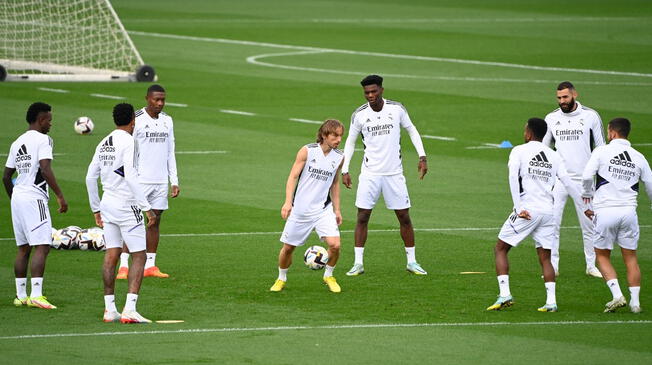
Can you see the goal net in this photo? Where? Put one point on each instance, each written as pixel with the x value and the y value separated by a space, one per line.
pixel 66 40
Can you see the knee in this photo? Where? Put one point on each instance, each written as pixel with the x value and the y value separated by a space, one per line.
pixel 334 246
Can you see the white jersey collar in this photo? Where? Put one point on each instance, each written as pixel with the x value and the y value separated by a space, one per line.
pixel 621 141
pixel 575 112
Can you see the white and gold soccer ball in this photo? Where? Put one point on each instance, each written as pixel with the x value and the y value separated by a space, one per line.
pixel 315 257
pixel 84 125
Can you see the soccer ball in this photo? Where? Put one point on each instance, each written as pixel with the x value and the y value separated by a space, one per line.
pixel 84 125
pixel 97 235
pixel 68 238
pixel 315 257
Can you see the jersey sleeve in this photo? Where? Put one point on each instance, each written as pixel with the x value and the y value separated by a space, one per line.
pixel 646 177
pixel 597 131
pixel 514 165
pixel 172 160
pixel 131 175
pixel 590 170
pixel 45 149
pixel 92 174
pixel 412 131
pixel 11 161
pixel 548 139
pixel 349 146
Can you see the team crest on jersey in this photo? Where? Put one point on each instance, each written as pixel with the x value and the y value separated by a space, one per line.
pixel 582 122
pixel 333 163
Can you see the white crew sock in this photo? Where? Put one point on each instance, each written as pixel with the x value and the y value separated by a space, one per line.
pixel 124 259
pixel 282 274
pixel 615 288
pixel 109 303
pixel 503 285
pixel 328 271
pixel 130 305
pixel 551 297
pixel 21 288
pixel 151 260
pixel 411 255
pixel 37 287
pixel 359 254
pixel 634 291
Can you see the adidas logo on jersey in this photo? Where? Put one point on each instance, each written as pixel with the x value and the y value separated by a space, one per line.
pixel 107 146
pixel 22 154
pixel 540 160
pixel 622 159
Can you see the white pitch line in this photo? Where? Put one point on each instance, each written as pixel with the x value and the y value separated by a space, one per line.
pixel 60 91
pixel 391 55
pixel 439 137
pixel 180 105
pixel 200 152
pixel 328 327
pixel 305 121
pixel 108 96
pixel 642 144
pixel 238 112
pixel 231 234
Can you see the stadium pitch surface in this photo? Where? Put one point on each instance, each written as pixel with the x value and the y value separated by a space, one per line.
pixel 247 82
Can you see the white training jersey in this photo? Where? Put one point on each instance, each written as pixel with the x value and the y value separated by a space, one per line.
pixel 533 170
pixel 617 168
pixel 24 156
pixel 381 137
pixel 155 140
pixel 114 163
pixel 573 135
pixel 312 195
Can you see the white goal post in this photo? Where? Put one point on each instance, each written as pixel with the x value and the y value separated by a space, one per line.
pixel 67 40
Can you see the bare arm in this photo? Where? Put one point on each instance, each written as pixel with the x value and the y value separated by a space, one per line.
pixel 291 184
pixel 6 180
pixel 48 175
pixel 349 149
pixel 335 195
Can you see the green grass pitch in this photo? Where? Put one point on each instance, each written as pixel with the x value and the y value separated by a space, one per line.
pixel 303 60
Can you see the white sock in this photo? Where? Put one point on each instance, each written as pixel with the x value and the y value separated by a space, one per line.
pixel 615 288
pixel 503 285
pixel 551 297
pixel 21 288
pixel 109 303
pixel 37 287
pixel 124 259
pixel 634 292
pixel 411 255
pixel 328 271
pixel 130 305
pixel 282 274
pixel 151 260
pixel 359 254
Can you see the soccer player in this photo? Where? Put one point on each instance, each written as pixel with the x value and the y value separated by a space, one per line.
pixel 31 156
pixel 574 130
pixel 120 211
pixel 617 168
pixel 154 135
pixel 533 169
pixel 379 121
pixel 314 202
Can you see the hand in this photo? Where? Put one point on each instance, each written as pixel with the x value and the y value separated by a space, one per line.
pixel 285 210
pixel 338 217
pixel 63 205
pixel 346 180
pixel 98 220
pixel 151 218
pixel 422 167
pixel 589 214
pixel 524 214
pixel 175 191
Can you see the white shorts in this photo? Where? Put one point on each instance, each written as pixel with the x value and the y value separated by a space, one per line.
pixel 31 220
pixel 122 222
pixel 392 187
pixel 296 231
pixel 619 224
pixel 540 226
pixel 157 195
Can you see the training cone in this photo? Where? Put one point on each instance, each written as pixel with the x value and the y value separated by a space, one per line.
pixel 506 144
